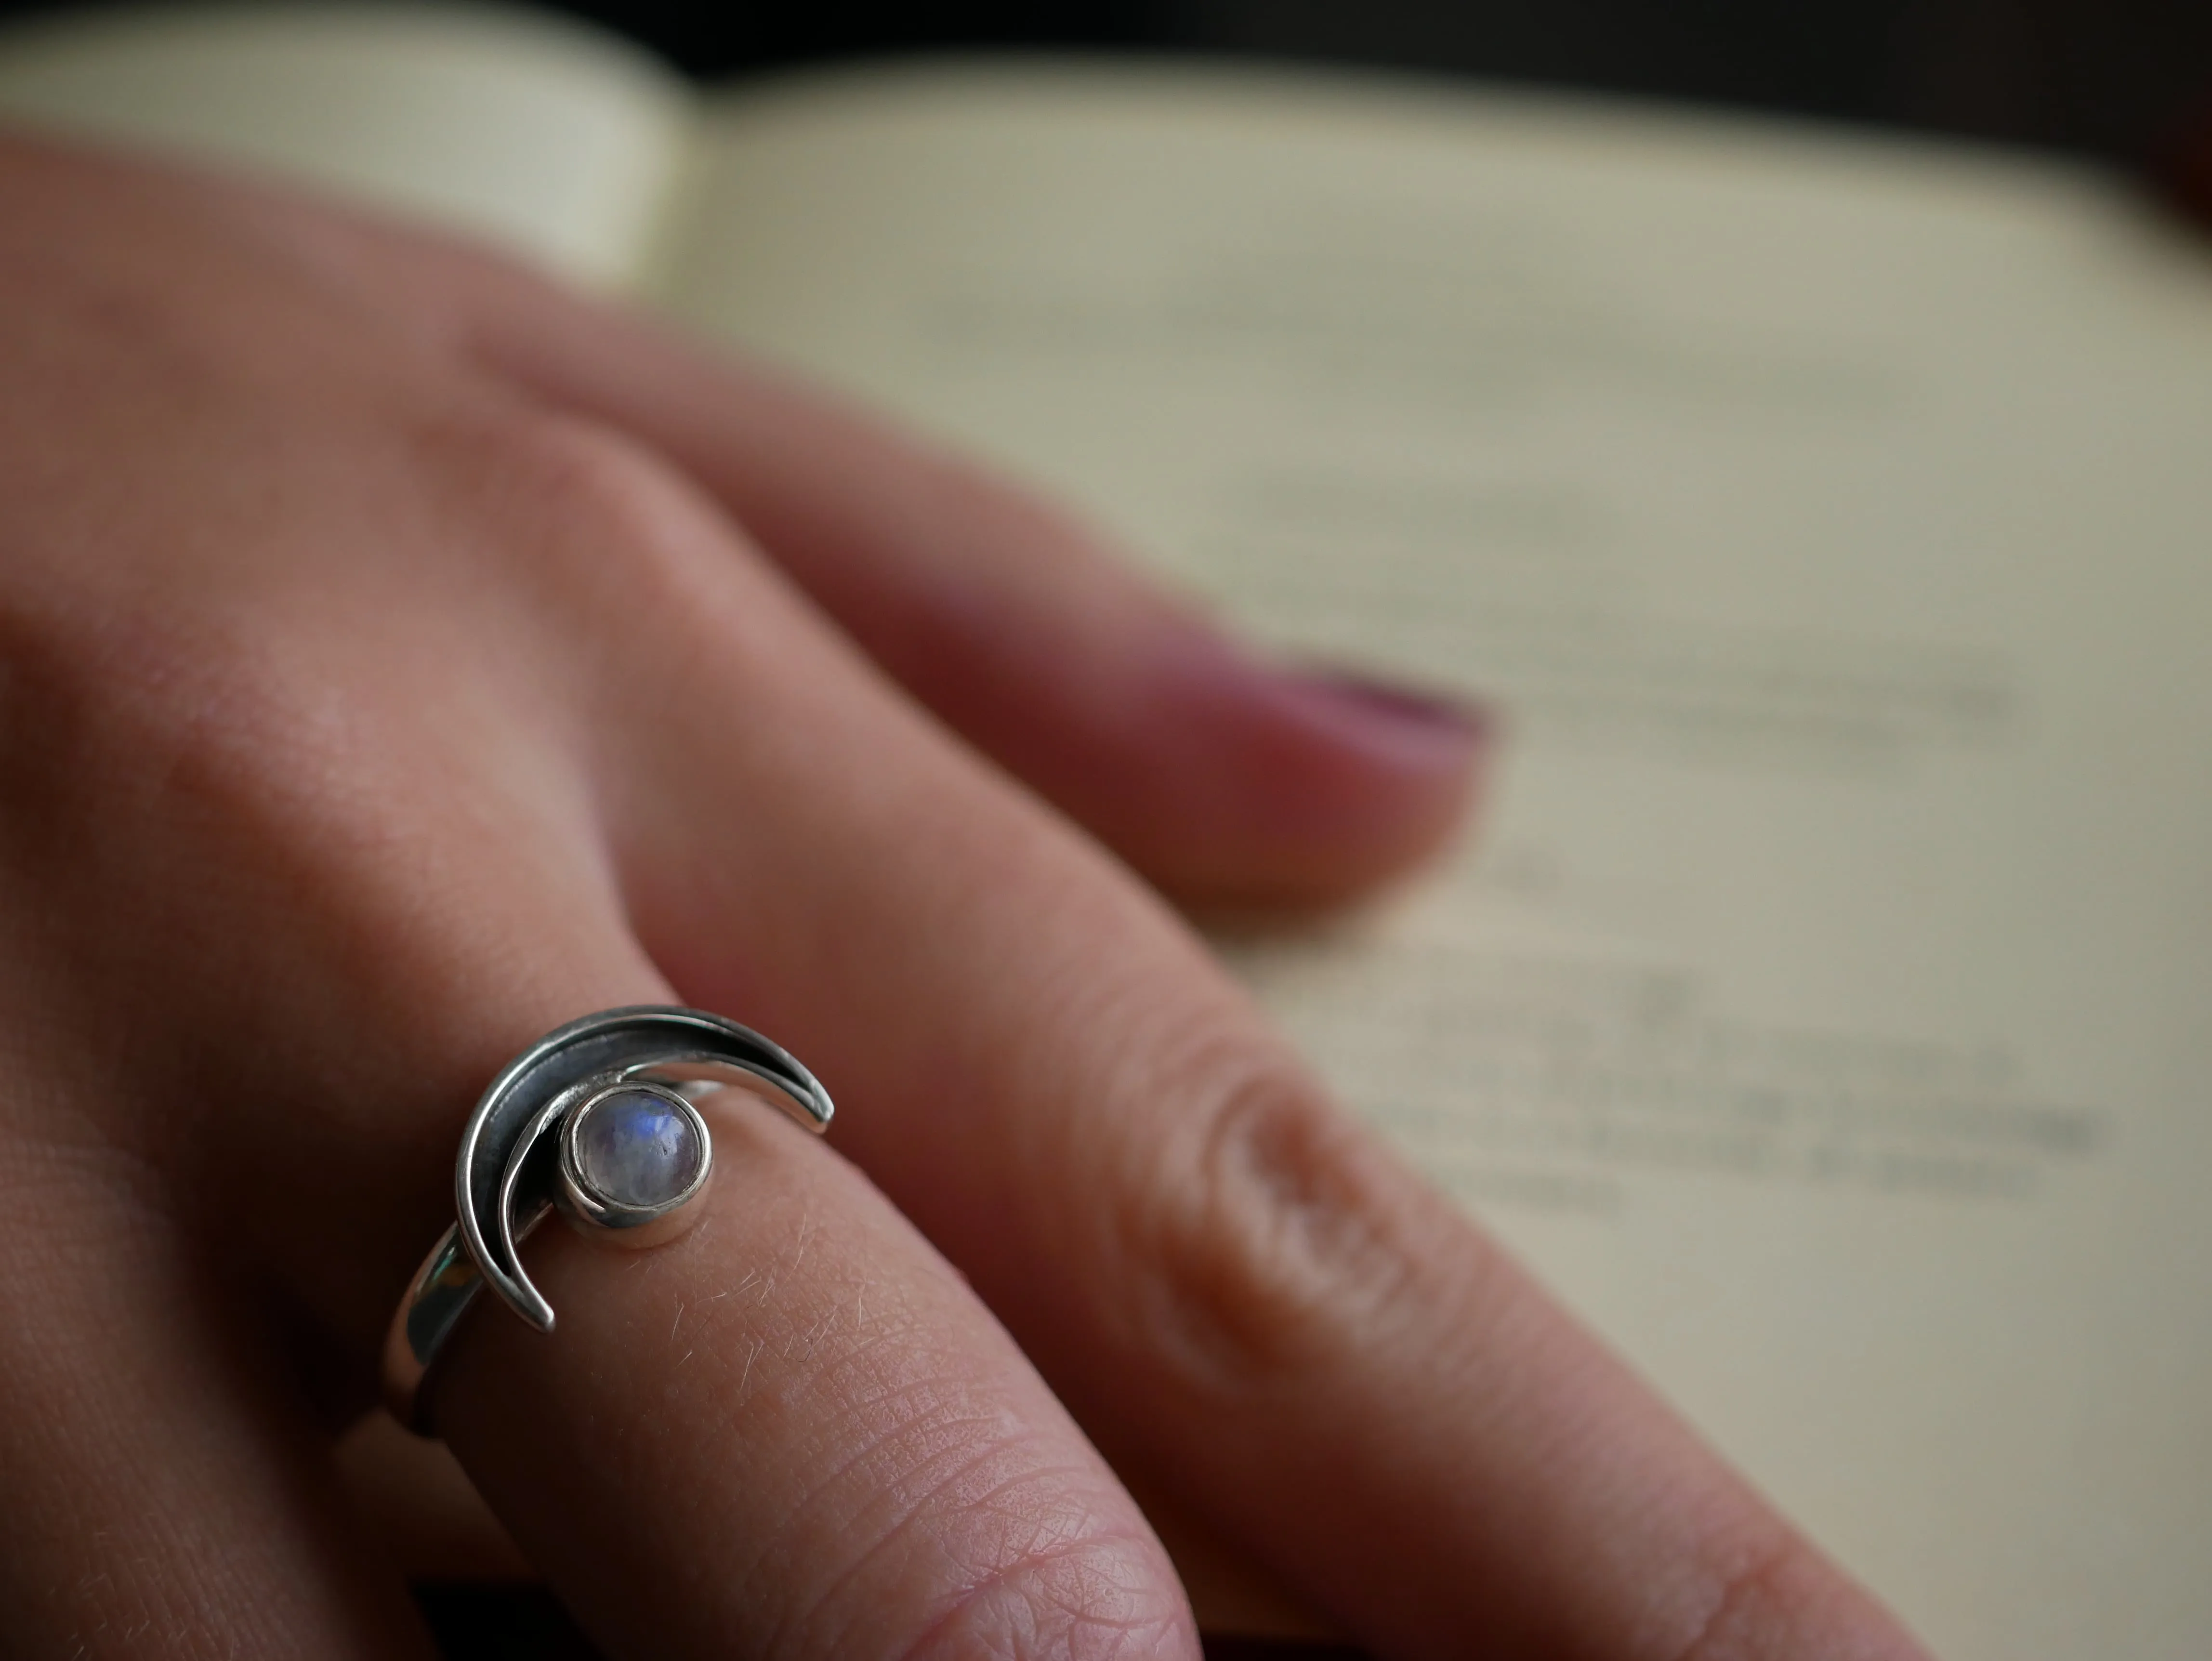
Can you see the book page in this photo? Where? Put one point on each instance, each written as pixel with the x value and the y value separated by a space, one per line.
pixel 1821 1007
pixel 556 143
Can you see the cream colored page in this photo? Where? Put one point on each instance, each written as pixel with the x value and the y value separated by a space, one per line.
pixel 1820 1008
pixel 552 142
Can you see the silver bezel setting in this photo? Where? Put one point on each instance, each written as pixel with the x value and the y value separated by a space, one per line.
pixel 506 1179
pixel 602 1216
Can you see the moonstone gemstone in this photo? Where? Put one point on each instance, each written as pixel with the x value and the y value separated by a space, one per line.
pixel 634 1149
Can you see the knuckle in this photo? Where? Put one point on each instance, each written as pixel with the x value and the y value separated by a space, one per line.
pixel 971 1532
pixel 1273 1235
pixel 1769 1592
pixel 106 720
pixel 1090 1600
pixel 577 486
pixel 598 533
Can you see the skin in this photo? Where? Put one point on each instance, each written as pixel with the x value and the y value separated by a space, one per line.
pixel 399 656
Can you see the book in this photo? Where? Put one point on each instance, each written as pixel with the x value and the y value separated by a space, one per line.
pixel 1822 1009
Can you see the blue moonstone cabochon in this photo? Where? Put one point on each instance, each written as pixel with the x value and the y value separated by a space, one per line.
pixel 633 1148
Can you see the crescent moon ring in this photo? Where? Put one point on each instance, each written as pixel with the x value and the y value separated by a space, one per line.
pixel 596 1119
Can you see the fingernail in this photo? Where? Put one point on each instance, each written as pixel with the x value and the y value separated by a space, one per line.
pixel 1394 702
pixel 1399 715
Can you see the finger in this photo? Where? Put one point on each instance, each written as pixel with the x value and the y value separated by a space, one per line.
pixel 1218 776
pixel 836 1452
pixel 426 1514
pixel 166 1494
pixel 796 1431
pixel 1221 777
pixel 1233 1286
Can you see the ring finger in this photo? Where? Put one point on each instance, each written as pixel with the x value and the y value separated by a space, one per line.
pixel 795 1431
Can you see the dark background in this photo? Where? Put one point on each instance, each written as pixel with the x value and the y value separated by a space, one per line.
pixel 2124 78
pixel 2128 79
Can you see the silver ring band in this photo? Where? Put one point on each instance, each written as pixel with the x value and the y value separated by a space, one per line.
pixel 596 1119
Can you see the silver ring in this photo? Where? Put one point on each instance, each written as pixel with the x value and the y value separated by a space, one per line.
pixel 596 1119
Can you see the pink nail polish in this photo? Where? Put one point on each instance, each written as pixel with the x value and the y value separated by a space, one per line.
pixel 1371 701
pixel 1413 728
pixel 1411 731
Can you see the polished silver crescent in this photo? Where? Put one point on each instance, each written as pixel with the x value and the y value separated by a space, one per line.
pixel 500 1192
pixel 504 1176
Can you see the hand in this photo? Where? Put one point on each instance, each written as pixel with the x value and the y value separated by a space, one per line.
pixel 399 657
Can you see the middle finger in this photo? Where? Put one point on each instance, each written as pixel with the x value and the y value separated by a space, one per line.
pixel 1232 1285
